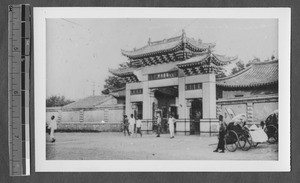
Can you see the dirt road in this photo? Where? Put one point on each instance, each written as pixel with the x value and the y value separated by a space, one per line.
pixel 116 146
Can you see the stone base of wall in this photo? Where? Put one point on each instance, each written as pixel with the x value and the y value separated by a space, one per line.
pixel 207 134
pixel 89 127
pixel 182 133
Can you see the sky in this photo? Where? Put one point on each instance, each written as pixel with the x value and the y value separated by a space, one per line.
pixel 79 52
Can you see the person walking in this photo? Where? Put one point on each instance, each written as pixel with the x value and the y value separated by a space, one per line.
pixel 131 124
pixel 138 127
pixel 171 122
pixel 158 122
pixel 222 133
pixel 262 125
pixel 52 126
pixel 126 125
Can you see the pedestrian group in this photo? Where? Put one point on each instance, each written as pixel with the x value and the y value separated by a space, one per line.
pixel 133 125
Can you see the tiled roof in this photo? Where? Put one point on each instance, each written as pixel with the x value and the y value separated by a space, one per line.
pixel 198 44
pixel 88 102
pixel 123 71
pixel 221 60
pixel 166 67
pixel 166 45
pixel 120 92
pixel 257 74
pixel 194 59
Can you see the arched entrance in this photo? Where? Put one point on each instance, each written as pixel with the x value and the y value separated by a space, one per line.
pixel 166 104
pixel 195 116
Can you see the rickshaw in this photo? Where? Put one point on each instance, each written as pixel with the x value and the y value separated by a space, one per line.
pixel 237 136
pixel 271 127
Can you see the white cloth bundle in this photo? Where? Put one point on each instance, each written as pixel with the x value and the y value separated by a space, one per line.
pixel 258 134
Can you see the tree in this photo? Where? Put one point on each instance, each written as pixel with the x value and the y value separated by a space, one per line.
pixel 239 66
pixel 255 60
pixel 220 73
pixel 57 101
pixel 113 82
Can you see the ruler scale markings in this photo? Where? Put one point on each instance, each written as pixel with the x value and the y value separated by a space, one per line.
pixel 18 88
pixel 23 64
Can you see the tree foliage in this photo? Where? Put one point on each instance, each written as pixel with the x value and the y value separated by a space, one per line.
pixel 57 101
pixel 221 73
pixel 239 66
pixel 255 60
pixel 113 82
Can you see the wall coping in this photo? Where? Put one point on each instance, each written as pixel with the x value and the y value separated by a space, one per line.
pixel 110 106
pixel 89 123
pixel 244 99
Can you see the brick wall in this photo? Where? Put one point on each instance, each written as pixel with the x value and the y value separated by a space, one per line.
pixel 105 118
pixel 255 108
pixel 89 127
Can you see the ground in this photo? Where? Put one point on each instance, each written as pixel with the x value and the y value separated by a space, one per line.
pixel 116 146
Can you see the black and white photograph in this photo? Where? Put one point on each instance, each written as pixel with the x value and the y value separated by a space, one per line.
pixel 155 91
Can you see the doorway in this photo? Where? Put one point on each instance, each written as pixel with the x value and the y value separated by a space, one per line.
pixel 195 116
pixel 138 112
pixel 166 104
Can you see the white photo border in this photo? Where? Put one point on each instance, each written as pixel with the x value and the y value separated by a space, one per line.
pixel 40 14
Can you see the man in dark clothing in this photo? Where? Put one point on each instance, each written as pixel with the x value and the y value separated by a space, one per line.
pixel 126 125
pixel 222 133
pixel 158 125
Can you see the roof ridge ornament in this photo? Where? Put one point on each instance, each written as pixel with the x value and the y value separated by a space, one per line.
pixel 209 51
pixel 183 37
pixel 149 41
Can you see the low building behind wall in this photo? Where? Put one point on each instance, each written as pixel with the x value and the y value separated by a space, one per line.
pixel 177 76
pixel 252 91
pixel 95 113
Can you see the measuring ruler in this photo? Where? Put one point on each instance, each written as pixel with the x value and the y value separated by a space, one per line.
pixel 19 24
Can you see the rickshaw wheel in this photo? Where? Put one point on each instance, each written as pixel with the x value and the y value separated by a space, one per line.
pixel 272 140
pixel 245 141
pixel 242 142
pixel 254 144
pixel 272 133
pixel 231 137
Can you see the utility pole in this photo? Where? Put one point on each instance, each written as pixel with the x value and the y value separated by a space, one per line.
pixel 93 88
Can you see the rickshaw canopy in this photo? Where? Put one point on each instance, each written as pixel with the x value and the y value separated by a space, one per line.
pixel 239 119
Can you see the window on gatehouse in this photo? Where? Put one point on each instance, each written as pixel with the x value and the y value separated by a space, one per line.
pixel 136 91
pixel 163 75
pixel 193 86
pixel 238 95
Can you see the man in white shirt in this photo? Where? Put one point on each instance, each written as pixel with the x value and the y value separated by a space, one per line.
pixel 52 126
pixel 158 123
pixel 171 122
pixel 131 124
